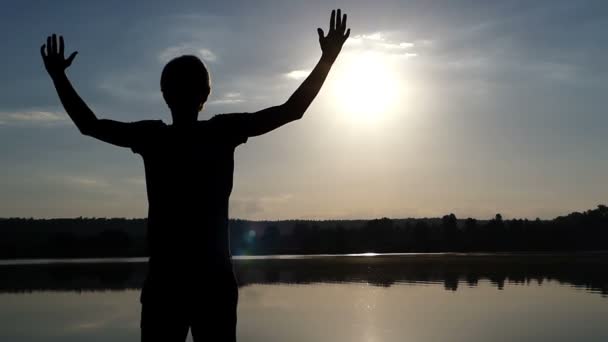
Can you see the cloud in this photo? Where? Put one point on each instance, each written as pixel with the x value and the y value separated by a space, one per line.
pixel 492 63
pixel 559 72
pixel 380 42
pixel 85 182
pixel 297 74
pixel 228 98
pixel 136 181
pixel 258 207
pixel 187 49
pixel 31 117
pixel 125 188
pixel 132 86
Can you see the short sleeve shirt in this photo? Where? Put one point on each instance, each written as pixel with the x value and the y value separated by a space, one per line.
pixel 189 177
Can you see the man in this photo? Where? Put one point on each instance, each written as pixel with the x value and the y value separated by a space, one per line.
pixel 189 171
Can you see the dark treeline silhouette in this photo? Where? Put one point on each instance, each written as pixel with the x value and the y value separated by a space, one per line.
pixel 98 237
pixel 72 238
pixel 584 270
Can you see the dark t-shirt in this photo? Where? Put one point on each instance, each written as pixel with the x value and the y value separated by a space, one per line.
pixel 189 172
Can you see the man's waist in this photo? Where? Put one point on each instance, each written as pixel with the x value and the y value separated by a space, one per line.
pixel 190 261
pixel 174 219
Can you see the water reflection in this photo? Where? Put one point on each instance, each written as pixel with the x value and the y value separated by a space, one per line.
pixel 585 271
pixel 444 298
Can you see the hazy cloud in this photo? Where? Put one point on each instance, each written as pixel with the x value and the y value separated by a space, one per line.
pixel 228 98
pixel 134 86
pixel 297 74
pixel 380 42
pixel 31 117
pixel 258 207
pixel 187 49
pixel 85 182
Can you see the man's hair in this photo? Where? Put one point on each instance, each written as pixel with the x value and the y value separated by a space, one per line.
pixel 185 82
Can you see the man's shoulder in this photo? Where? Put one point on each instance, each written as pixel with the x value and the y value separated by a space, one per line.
pixel 226 120
pixel 147 127
pixel 149 123
pixel 216 121
pixel 226 116
pixel 229 126
pixel 145 132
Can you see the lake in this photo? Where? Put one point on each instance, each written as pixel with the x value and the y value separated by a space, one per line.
pixel 367 298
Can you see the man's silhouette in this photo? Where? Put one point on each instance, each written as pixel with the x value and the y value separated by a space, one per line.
pixel 189 169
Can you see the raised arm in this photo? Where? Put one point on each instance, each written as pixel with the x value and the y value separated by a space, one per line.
pixel 268 119
pixel 110 131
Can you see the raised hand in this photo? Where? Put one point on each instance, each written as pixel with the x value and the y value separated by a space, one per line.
pixel 337 35
pixel 53 56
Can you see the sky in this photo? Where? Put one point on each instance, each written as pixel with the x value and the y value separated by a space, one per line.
pixel 434 107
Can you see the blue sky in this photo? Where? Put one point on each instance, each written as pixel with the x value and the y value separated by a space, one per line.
pixel 471 107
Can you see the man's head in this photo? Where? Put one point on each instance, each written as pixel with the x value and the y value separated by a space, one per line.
pixel 185 84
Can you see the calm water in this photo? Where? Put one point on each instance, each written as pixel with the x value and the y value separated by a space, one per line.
pixel 347 298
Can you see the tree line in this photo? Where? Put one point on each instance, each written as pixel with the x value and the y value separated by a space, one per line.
pixel 101 237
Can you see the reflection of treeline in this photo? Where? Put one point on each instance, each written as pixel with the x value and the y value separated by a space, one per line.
pixel 582 270
pixel 82 237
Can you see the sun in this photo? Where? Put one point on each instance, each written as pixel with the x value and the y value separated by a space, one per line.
pixel 367 86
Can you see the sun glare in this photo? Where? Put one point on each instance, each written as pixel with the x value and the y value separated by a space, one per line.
pixel 367 86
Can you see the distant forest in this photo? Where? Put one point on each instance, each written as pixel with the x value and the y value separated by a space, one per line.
pixel 117 237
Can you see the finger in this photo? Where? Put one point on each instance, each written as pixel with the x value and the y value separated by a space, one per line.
pixel 339 19
pixel 343 27
pixel 71 58
pixel 332 21
pixel 61 46
pixel 54 43
pixel 48 46
pixel 42 50
pixel 347 34
pixel 321 33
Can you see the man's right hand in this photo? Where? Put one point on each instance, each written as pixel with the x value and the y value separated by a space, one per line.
pixel 53 56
